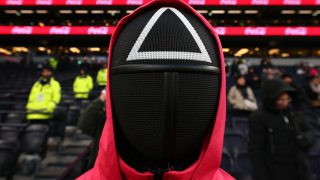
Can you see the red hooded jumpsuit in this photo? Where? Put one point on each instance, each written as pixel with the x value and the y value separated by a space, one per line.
pixel 109 164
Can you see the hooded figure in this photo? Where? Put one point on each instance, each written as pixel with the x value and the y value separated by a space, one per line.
pixel 279 139
pixel 166 98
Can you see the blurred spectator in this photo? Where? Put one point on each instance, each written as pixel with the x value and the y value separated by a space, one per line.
pixel 253 79
pixel 313 72
pixel 301 69
pixel 64 64
pixel 234 67
pixel 279 139
pixel 265 63
pixel 243 67
pixel 102 77
pixel 241 97
pixel 313 91
pixel 227 68
pixel 278 72
pixel 82 85
pixel 299 98
pixel 270 73
pixel 92 122
pixel 85 64
pixel 44 96
pixel 53 62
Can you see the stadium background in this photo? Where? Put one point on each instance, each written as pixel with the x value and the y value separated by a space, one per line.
pixel 77 32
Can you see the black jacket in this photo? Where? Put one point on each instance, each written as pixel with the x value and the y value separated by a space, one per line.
pixel 279 139
pixel 299 99
pixel 91 122
pixel 252 82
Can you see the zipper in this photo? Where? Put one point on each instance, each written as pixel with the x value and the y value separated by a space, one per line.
pixel 286 120
pixel 271 139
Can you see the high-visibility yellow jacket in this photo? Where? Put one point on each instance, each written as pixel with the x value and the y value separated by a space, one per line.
pixel 102 77
pixel 82 87
pixel 43 100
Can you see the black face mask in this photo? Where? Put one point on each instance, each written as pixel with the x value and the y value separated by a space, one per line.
pixel 165 84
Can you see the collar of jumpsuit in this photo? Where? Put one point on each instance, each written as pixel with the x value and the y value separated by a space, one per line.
pixel 114 161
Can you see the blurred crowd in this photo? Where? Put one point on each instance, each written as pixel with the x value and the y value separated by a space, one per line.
pixel 282 108
pixel 245 82
pixel 280 104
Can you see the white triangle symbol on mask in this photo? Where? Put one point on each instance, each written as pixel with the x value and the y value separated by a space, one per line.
pixel 173 55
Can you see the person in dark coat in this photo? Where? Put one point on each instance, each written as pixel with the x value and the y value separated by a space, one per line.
pixel 92 121
pixel 253 79
pixel 265 63
pixel 279 139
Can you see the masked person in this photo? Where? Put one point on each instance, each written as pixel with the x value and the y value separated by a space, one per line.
pixel 102 77
pixel 279 139
pixel 166 99
pixel 82 85
pixel 44 96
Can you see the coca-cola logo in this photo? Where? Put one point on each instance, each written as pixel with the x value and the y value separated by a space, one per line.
pixel 98 30
pixel 44 2
pixel 220 30
pixel 134 2
pixel 299 31
pixel 291 2
pixel 22 30
pixel 197 2
pixel 74 2
pixel 14 2
pixel 104 2
pixel 260 2
pixel 258 31
pixel 228 2
pixel 59 30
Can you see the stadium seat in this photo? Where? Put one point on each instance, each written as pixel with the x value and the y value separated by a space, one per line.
pixel 14 118
pixel 235 142
pixel 314 156
pixel 315 149
pixel 73 115
pixel 244 166
pixel 9 152
pixel 315 163
pixel 242 126
pixel 58 123
pixel 227 162
pixel 10 133
pixel 239 118
pixel 85 103
pixel 35 139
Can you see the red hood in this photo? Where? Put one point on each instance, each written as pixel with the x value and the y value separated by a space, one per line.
pixel 109 164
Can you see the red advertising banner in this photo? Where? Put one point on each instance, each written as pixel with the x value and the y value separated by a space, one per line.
pixel 140 2
pixel 103 30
